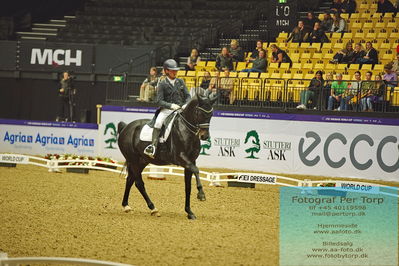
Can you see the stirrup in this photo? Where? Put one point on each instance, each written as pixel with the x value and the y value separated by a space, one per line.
pixel 150 150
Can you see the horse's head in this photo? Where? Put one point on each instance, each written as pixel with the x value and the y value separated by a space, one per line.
pixel 199 112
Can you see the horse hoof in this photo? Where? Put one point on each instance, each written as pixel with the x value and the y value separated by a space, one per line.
pixel 191 216
pixel 127 208
pixel 201 197
pixel 155 213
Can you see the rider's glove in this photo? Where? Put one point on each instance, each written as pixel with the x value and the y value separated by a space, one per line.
pixel 175 106
pixel 184 106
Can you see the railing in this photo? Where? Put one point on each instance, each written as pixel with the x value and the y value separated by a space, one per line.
pixel 213 178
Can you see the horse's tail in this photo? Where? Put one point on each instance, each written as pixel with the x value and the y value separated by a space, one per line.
pixel 121 126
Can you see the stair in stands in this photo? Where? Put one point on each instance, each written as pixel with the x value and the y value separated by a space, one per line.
pixel 44 31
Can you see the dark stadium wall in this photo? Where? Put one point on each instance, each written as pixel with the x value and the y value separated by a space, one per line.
pixel 34 99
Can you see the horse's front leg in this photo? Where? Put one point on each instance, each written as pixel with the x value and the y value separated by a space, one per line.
pixel 187 181
pixel 194 169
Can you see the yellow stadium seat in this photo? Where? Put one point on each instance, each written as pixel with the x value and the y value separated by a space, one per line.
pixel 327 45
pixel 282 36
pixel 200 73
pixel 356 25
pixel 378 68
pixel 354 67
pixel 243 74
pixel 284 66
pixel 181 73
pixel 273 66
pixel 376 15
pixel 379 25
pixel 233 74
pixel 307 66
pixel 190 74
pixel 296 66
pixel 367 67
pixel 395 97
pixel 355 16
pixel 201 64
pixel 297 76
pixel 345 16
pixel 254 74
pixel 241 66
pixel 264 75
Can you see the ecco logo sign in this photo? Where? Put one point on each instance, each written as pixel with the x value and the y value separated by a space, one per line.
pixel 58 56
pixel 305 154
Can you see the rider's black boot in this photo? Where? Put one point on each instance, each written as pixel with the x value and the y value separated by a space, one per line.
pixel 150 149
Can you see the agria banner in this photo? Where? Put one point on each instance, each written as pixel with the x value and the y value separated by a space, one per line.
pixel 40 138
pixel 284 143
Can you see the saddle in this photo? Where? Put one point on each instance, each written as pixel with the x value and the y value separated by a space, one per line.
pixel 146 131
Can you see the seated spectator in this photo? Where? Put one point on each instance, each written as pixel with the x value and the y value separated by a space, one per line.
pixel 312 92
pixel 339 24
pixel 357 53
pixel 366 95
pixel 390 77
pixel 317 35
pixel 338 89
pixel 224 60
pixel 279 56
pixel 259 64
pixel 326 91
pixel 147 88
pixel 370 57
pixel 336 6
pixel 395 65
pixel 380 88
pixel 224 86
pixel 298 33
pixel 343 56
pixel 259 46
pixel 385 6
pixel 348 6
pixel 352 92
pixel 206 80
pixel 236 52
pixel 310 20
pixel 193 60
pixel 327 22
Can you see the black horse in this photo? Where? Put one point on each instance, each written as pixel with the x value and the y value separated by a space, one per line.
pixel 181 148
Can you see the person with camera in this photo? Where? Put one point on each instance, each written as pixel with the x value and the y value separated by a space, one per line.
pixel 66 101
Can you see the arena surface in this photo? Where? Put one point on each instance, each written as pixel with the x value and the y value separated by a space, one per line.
pixel 80 215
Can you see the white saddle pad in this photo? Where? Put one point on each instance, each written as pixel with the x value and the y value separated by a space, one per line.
pixel 146 132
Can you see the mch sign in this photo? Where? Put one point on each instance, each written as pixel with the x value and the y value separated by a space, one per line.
pixel 56 56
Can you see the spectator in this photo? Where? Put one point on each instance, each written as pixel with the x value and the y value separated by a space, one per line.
pixel 310 20
pixel 366 94
pixel 339 24
pixel 259 64
pixel 298 33
pixel 236 52
pixel 395 65
pixel 390 77
pixel 348 6
pixel 326 91
pixel 312 92
pixel 370 57
pixel 352 92
pixel 327 22
pixel 385 6
pixel 279 56
pixel 193 60
pixel 255 53
pixel 206 80
pixel 357 53
pixel 336 6
pixel 338 89
pixel 224 61
pixel 380 88
pixel 343 56
pixel 65 95
pixel 224 85
pixel 147 88
pixel 317 35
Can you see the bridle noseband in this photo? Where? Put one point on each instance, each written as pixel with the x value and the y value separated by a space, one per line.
pixel 195 129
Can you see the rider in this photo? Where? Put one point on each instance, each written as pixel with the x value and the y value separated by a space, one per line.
pixel 172 94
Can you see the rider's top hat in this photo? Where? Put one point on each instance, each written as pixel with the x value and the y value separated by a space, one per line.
pixel 171 64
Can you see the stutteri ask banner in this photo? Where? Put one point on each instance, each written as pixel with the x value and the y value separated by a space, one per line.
pixel 286 143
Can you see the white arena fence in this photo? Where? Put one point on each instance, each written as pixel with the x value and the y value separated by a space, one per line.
pixel 214 178
pixel 5 261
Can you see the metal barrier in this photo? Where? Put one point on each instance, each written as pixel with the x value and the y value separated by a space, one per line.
pixel 213 178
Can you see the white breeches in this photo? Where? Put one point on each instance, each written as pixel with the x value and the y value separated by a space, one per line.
pixel 161 117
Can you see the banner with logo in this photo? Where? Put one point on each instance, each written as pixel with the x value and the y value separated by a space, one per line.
pixel 39 55
pixel 285 143
pixel 41 138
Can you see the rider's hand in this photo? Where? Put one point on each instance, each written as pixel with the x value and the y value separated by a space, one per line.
pixel 184 106
pixel 175 106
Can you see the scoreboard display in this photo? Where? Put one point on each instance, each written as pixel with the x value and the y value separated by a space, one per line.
pixel 283 16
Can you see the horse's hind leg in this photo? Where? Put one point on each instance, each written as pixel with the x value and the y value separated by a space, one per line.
pixel 128 186
pixel 140 186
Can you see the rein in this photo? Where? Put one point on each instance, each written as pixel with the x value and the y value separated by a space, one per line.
pixel 196 128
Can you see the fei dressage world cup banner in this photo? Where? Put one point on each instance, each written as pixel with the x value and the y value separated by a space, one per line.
pixel 284 143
